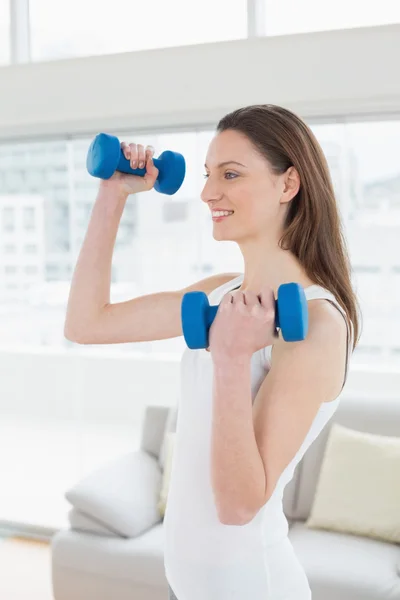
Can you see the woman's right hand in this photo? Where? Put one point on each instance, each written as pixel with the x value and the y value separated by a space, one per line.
pixel 139 157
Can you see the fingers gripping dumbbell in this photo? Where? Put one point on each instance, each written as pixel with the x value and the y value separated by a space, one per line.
pixel 105 156
pixel 291 315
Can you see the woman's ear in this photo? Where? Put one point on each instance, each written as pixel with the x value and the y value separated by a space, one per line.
pixel 291 185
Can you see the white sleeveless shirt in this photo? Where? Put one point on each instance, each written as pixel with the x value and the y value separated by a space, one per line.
pixel 205 559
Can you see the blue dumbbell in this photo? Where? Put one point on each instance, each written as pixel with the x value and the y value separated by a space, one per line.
pixel 291 315
pixel 105 156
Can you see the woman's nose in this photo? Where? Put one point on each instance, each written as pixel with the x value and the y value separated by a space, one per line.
pixel 210 192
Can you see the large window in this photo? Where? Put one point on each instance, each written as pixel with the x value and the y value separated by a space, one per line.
pixel 85 27
pixel 47 198
pixel 4 31
pixel 298 16
pixel 76 408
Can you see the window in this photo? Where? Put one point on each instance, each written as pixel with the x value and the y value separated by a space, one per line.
pixel 8 219
pixel 4 32
pixel 29 218
pixel 89 27
pixel 31 249
pixel 175 211
pixel 295 16
pixel 10 270
pixel 31 270
pixel 155 229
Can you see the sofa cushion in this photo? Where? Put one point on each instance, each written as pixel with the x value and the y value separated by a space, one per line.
pixel 345 566
pixel 122 495
pixel 81 522
pixel 153 428
pixel 380 416
pixel 358 490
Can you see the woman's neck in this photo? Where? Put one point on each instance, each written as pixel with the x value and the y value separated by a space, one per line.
pixel 271 266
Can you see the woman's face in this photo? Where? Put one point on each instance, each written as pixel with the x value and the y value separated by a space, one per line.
pixel 250 189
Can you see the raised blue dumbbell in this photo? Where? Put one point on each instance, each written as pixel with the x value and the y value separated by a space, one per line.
pixel 105 156
pixel 291 315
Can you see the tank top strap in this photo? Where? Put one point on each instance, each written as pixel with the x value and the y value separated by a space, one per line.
pixel 315 292
pixel 218 293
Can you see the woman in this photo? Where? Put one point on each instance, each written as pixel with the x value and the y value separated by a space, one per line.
pixel 251 404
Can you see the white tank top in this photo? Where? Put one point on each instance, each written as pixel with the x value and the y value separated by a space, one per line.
pixel 205 559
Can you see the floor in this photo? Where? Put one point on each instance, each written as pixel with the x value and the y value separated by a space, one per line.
pixel 25 569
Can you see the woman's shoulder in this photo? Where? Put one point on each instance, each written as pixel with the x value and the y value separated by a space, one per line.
pixel 211 283
pixel 222 284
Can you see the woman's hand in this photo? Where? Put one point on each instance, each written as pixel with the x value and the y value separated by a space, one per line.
pixel 244 323
pixel 139 158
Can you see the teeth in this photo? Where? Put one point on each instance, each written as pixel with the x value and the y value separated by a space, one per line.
pixel 222 213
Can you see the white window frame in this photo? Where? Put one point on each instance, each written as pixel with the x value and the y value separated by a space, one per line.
pixel 20 38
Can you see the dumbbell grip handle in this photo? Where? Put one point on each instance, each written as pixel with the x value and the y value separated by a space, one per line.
pixel 212 311
pixel 125 167
pixel 210 315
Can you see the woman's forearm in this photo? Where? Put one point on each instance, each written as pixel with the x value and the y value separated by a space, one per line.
pixel 237 470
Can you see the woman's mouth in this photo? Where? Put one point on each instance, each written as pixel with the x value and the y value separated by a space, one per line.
pixel 219 215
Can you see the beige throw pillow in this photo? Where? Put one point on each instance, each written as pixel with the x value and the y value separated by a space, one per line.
pixel 169 453
pixel 358 489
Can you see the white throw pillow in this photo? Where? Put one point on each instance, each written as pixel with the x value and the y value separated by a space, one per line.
pixel 122 495
pixel 170 427
pixel 358 489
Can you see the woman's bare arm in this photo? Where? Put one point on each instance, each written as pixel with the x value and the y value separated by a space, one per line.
pixel 90 317
pixel 150 317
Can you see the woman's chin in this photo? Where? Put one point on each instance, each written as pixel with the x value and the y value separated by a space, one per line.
pixel 219 236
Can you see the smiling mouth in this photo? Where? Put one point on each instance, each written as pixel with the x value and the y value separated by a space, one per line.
pixel 218 215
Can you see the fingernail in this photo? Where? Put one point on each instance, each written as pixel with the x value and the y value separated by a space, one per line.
pixel 141 165
pixel 134 164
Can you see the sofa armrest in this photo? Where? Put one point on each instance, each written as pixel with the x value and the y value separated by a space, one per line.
pixel 123 495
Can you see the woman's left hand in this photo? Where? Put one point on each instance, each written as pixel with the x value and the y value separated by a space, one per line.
pixel 244 323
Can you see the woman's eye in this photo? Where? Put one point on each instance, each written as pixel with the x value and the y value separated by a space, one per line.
pixel 206 175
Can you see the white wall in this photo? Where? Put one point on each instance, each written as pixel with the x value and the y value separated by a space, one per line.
pixel 114 389
pixel 348 72
pixel 54 384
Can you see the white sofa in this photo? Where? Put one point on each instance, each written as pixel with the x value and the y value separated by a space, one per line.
pixel 113 549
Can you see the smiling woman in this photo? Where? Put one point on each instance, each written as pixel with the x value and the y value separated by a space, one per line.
pixel 252 404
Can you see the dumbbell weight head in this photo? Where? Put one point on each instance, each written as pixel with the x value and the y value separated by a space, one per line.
pixel 197 316
pixel 292 312
pixel 105 156
pixel 172 170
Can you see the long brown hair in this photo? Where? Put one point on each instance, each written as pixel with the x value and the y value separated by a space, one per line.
pixel 313 229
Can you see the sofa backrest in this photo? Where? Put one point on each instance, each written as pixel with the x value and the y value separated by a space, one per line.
pixel 372 415
pixel 153 429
